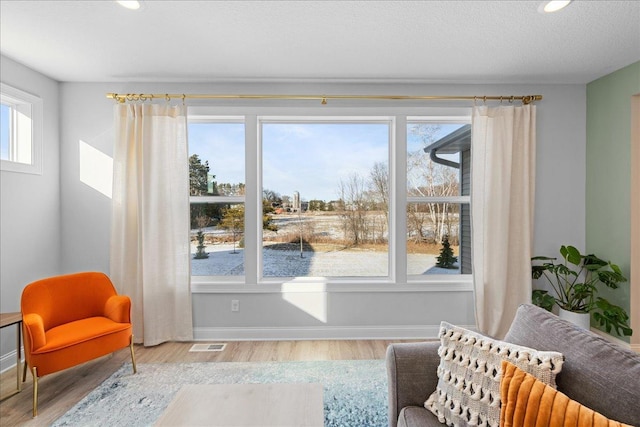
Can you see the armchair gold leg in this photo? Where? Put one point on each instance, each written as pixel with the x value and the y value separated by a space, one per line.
pixel 34 372
pixel 24 371
pixel 133 357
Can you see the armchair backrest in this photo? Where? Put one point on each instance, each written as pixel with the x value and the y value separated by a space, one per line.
pixel 63 299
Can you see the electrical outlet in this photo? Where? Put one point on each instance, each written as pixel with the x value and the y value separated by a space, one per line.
pixel 235 305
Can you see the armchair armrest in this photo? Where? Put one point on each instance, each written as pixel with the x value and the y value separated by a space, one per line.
pixel 34 331
pixel 412 375
pixel 118 308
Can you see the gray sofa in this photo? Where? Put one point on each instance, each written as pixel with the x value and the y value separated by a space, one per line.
pixel 597 373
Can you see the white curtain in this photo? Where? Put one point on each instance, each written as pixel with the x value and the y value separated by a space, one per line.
pixel 150 249
pixel 502 200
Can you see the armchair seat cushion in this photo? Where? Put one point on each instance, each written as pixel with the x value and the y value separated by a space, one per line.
pixel 63 352
pixel 81 331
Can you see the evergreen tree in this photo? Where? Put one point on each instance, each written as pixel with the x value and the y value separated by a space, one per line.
pixel 198 176
pixel 446 258
pixel 233 220
pixel 199 183
pixel 201 254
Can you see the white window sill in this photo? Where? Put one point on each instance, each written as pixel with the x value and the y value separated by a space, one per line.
pixel 461 283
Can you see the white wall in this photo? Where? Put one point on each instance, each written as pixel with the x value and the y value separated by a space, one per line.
pixel 87 116
pixel 29 206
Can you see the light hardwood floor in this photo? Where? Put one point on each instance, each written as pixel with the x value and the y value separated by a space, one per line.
pixel 60 391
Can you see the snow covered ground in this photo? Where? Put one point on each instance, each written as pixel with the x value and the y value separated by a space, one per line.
pixel 326 226
pixel 282 263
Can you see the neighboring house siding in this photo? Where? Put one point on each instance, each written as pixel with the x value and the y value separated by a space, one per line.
pixel 465 211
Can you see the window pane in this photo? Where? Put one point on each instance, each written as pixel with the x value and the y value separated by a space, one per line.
pixel 325 189
pixel 217 239
pixel 428 226
pixel 437 171
pixel 216 168
pixel 20 131
pixel 5 131
pixel 438 167
pixel 216 159
pixel 16 134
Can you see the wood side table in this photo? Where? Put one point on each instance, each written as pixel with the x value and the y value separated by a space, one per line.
pixel 8 319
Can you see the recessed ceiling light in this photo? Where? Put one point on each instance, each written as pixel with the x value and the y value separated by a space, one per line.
pixel 553 6
pixel 129 4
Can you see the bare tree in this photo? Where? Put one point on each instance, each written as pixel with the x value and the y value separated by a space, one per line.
pixel 428 179
pixel 379 191
pixel 416 222
pixel 352 194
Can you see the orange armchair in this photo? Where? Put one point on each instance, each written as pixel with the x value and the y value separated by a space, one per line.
pixel 68 320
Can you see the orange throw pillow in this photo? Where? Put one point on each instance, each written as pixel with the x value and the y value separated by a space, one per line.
pixel 528 402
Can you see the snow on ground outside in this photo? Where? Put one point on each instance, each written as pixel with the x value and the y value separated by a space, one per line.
pixel 280 263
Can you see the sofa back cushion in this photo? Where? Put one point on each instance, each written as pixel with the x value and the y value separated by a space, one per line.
pixel 596 372
pixel 63 299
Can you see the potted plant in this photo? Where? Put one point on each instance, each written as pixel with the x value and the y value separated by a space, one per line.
pixel 574 281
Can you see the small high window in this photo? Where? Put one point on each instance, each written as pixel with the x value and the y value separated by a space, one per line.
pixel 20 131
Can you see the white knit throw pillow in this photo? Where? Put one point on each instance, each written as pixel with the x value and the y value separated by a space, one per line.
pixel 469 373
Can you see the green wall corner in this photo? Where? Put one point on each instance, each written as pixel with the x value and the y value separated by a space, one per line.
pixel 608 173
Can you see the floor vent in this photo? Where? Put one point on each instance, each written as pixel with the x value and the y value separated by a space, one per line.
pixel 207 347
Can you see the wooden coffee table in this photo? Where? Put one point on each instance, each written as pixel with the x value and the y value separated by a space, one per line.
pixel 263 405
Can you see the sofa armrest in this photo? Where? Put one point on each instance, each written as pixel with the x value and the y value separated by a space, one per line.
pixel 118 309
pixel 412 375
pixel 34 335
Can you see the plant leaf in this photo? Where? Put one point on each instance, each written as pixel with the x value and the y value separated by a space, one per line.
pixel 591 260
pixel 615 268
pixel 537 271
pixel 573 255
pixel 610 278
pixel 542 299
pixel 563 269
pixel 612 317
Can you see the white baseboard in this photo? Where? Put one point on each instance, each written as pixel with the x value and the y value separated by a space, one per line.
pixel 8 361
pixel 317 333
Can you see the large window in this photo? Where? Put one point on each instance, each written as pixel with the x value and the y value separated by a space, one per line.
pixel 20 139
pixel 325 197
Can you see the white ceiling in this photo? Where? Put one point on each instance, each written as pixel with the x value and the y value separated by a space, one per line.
pixel 353 41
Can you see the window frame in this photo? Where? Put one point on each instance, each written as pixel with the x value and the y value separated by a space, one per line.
pixel 22 133
pixel 398 280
